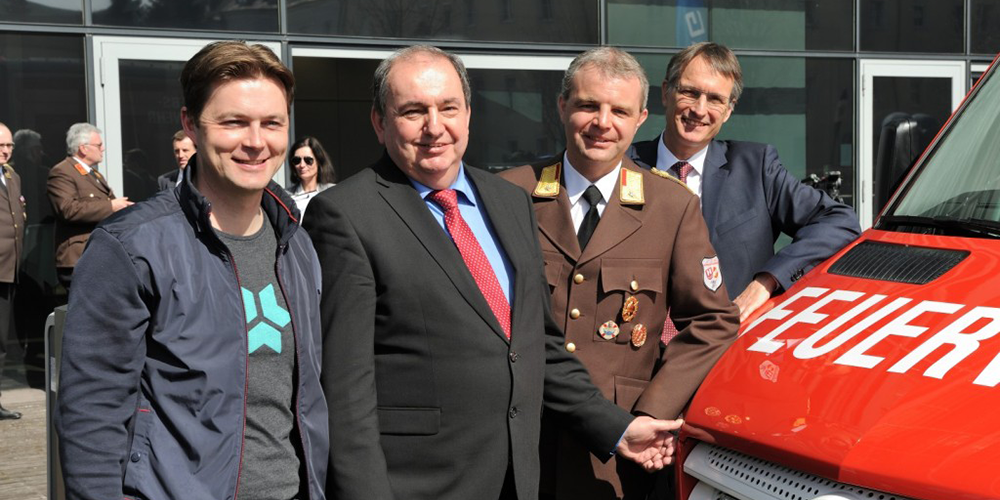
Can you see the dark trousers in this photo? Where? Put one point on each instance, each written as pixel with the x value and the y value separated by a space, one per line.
pixel 6 319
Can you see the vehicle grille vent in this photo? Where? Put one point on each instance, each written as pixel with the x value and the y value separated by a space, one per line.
pixel 747 478
pixel 900 263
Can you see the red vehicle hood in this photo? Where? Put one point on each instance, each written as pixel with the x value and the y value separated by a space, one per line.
pixel 901 396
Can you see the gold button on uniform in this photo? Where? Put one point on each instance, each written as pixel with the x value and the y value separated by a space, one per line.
pixel 570 347
pixel 634 285
pixel 578 279
pixel 575 313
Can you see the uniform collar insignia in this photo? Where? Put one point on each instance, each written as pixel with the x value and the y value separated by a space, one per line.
pixel 548 182
pixel 630 190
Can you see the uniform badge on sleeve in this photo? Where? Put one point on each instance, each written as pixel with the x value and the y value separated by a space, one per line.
pixel 713 274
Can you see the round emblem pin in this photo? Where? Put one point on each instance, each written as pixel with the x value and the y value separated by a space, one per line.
pixel 608 331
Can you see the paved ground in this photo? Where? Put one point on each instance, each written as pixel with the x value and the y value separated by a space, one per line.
pixel 22 442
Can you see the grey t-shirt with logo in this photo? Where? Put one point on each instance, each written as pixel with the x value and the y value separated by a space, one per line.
pixel 271 461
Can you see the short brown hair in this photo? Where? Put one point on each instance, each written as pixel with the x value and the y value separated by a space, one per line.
pixel 611 62
pixel 180 135
pixel 718 57
pixel 227 61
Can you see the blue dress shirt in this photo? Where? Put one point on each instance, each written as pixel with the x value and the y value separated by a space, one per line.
pixel 475 216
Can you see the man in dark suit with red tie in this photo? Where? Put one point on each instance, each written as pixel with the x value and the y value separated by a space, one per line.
pixel 439 345
pixel 80 195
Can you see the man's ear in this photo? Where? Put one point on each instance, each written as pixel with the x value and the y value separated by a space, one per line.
pixel 188 124
pixel 378 125
pixel 561 104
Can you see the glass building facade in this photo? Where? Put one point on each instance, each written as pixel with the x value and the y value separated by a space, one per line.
pixel 822 77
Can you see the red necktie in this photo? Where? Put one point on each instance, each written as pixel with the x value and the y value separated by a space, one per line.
pixel 474 257
pixel 681 169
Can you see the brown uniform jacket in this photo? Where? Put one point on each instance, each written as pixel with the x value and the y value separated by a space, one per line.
pixel 12 216
pixel 653 246
pixel 80 201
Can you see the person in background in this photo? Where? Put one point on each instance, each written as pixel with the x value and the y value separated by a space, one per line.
pixel 11 242
pixel 184 149
pixel 312 171
pixel 80 196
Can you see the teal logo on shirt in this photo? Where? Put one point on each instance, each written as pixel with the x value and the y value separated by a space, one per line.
pixel 263 309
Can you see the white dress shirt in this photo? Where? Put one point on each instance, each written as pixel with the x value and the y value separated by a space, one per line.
pixel 665 159
pixel 576 184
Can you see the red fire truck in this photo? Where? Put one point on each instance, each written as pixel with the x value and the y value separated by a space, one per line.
pixel 876 376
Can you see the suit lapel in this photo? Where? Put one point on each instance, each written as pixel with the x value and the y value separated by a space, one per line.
pixel 713 177
pixel 101 184
pixel 617 222
pixel 396 190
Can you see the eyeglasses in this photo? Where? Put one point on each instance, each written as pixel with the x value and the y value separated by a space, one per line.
pixel 298 159
pixel 690 95
pixel 99 145
pixel 7 145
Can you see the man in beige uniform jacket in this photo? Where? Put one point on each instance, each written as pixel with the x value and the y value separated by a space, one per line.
pixel 648 250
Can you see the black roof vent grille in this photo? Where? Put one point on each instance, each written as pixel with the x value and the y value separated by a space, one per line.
pixel 900 263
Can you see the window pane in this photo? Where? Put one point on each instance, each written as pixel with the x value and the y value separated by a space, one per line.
pixel 515 118
pixel 556 21
pixel 150 114
pixel 333 103
pixel 745 24
pixel 985 18
pixel 43 11
pixel 912 25
pixel 234 15
pixel 805 108
pixel 43 90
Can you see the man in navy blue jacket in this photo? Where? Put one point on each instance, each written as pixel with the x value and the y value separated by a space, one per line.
pixel 747 196
pixel 191 355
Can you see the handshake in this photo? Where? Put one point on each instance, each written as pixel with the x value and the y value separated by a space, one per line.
pixel 649 442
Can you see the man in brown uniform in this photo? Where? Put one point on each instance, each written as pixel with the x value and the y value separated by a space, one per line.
pixel 80 196
pixel 11 241
pixel 621 245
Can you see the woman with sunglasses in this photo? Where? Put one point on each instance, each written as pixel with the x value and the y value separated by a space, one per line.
pixel 312 171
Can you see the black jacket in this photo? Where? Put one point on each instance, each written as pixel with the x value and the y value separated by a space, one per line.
pixel 154 367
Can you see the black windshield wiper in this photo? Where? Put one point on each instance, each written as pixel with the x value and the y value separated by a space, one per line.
pixel 973 227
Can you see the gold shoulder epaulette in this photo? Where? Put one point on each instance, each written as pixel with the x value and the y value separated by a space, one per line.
pixel 665 175
pixel 630 191
pixel 548 182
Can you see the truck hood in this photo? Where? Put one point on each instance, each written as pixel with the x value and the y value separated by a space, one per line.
pixel 874 382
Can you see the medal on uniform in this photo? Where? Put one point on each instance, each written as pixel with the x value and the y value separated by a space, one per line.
pixel 608 331
pixel 630 308
pixel 548 182
pixel 630 188
pixel 638 335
